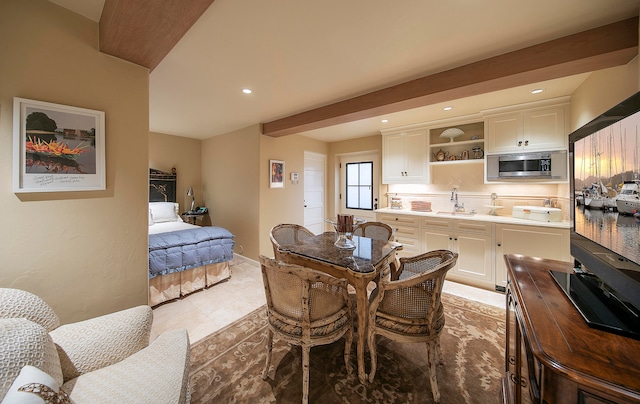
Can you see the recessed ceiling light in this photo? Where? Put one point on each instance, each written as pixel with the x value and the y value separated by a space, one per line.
pixel 537 91
pixel 247 90
pixel 384 121
pixel 448 108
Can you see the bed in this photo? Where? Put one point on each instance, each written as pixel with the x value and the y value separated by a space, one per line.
pixel 183 258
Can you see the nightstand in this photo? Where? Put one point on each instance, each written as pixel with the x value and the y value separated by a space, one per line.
pixel 192 217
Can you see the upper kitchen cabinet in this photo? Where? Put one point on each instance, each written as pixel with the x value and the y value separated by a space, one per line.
pixel 404 157
pixel 540 128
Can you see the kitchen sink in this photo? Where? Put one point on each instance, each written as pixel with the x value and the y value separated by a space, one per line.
pixel 452 213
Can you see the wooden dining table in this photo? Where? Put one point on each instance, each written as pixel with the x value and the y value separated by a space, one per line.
pixel 358 266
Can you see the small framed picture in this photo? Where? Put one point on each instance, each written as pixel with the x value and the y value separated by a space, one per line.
pixel 276 174
pixel 57 147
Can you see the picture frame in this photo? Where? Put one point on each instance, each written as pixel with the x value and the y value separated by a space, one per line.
pixel 57 148
pixel 276 174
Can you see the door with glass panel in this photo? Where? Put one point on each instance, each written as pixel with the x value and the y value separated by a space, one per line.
pixel 358 193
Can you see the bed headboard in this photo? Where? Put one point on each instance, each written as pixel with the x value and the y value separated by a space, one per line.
pixel 162 185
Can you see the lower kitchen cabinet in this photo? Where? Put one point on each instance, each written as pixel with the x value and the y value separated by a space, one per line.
pixel 406 231
pixel 481 245
pixel 472 240
pixel 534 241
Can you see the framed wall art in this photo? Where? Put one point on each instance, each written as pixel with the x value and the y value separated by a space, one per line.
pixel 57 147
pixel 276 174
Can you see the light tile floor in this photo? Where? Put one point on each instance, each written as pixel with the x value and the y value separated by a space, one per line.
pixel 207 311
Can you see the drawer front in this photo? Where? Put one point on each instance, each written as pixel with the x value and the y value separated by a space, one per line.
pixel 436 223
pixel 401 220
pixel 472 226
pixel 405 231
pixel 410 246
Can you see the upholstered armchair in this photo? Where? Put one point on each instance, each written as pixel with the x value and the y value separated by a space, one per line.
pixel 101 360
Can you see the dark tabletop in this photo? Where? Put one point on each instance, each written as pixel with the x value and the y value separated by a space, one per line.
pixel 364 258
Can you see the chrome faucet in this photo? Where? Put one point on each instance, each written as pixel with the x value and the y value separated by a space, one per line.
pixel 454 198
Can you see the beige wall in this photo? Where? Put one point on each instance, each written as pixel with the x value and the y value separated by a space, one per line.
pixel 231 185
pixel 602 90
pixel 183 154
pixel 85 253
pixel 283 205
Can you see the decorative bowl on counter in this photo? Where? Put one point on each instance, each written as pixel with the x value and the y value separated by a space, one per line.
pixel 493 209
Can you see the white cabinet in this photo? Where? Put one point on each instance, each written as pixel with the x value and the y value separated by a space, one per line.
pixel 535 129
pixel 406 231
pixel 404 157
pixel 480 245
pixel 534 241
pixel 472 240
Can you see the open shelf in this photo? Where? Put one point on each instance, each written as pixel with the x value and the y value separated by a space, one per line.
pixel 443 150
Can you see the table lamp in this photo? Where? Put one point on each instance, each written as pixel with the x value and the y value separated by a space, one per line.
pixel 193 200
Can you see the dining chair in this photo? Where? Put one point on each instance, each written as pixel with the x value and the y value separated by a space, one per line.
pixel 286 233
pixel 305 307
pixel 375 230
pixel 409 309
pixel 378 231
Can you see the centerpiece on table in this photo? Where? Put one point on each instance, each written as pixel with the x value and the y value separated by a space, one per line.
pixel 345 225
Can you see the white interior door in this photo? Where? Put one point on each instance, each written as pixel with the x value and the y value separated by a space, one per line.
pixel 314 169
pixel 367 213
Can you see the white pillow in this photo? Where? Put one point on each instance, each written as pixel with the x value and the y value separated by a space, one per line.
pixel 164 212
pixel 37 387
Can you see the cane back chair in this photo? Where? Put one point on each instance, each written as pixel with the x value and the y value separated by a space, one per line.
pixel 307 308
pixel 286 233
pixel 375 230
pixel 410 309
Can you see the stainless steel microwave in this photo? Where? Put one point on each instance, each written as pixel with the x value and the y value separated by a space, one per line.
pixel 527 166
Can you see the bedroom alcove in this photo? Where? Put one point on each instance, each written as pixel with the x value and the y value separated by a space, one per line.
pixel 183 257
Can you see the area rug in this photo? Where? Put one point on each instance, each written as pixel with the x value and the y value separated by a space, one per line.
pixel 226 366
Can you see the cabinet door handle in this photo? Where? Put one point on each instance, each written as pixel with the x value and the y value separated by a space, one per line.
pixel 526 143
pixel 499 245
pixel 512 360
pixel 523 382
pixel 520 143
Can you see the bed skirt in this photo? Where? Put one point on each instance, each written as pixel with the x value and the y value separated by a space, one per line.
pixel 178 284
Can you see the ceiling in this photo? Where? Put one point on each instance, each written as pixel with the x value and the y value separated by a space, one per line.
pixel 297 56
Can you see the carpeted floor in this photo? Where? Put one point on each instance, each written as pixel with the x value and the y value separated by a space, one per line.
pixel 226 366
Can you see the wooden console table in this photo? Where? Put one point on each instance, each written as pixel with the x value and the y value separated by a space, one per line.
pixel 552 355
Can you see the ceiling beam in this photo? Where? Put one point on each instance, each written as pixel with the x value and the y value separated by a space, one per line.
pixel 144 31
pixel 599 48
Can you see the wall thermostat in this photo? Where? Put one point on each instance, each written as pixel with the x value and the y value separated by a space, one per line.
pixel 294 178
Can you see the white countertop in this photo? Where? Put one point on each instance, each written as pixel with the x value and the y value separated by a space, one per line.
pixel 478 217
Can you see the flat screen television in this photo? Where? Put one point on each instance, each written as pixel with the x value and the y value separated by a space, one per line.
pixel 604 158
